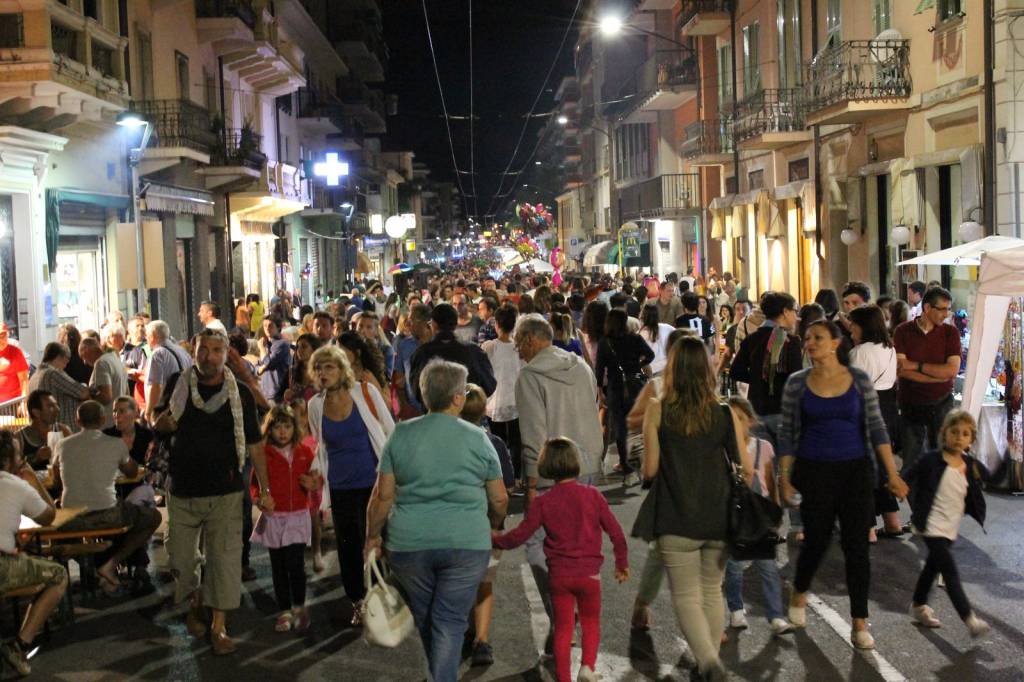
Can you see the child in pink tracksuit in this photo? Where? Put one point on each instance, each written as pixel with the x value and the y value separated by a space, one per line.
pixel 573 517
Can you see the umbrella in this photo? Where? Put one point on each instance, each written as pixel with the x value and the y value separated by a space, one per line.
pixel 966 254
pixel 399 267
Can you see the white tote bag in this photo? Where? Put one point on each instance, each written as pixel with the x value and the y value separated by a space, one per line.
pixel 387 620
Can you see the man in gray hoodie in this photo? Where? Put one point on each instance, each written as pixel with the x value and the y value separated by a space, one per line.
pixel 556 395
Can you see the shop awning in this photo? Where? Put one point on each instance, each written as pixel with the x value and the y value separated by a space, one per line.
pixel 717 225
pixel 262 207
pixel 246 231
pixel 764 211
pixel 363 263
pixel 54 198
pixel 597 254
pixel 173 199
pixel 792 190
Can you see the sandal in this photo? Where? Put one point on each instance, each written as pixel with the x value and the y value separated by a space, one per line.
pixel 284 622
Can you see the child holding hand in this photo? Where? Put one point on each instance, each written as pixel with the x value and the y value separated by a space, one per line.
pixel 285 531
pixel 945 485
pixel 573 517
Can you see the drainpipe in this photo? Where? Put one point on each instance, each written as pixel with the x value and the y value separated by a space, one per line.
pixel 735 147
pixel 229 275
pixel 989 169
pixel 817 145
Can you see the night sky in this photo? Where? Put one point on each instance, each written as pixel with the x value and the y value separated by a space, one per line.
pixel 514 43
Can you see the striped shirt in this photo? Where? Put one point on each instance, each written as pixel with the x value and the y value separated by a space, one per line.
pixel 66 390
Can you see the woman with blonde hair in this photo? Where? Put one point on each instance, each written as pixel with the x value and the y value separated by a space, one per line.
pixel 688 436
pixel 350 427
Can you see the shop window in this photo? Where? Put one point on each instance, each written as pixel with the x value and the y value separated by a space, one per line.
pixel 799 169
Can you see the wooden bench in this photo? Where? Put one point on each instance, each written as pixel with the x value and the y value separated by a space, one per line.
pixel 15 597
pixel 81 546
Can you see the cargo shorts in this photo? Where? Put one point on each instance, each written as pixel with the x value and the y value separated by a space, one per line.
pixel 23 570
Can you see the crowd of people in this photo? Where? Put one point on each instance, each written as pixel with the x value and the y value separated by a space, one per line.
pixel 408 418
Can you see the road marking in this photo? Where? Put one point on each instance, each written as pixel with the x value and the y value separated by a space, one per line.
pixel 888 672
pixel 610 666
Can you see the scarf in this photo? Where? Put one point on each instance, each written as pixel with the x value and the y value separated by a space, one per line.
pixel 188 386
pixel 773 363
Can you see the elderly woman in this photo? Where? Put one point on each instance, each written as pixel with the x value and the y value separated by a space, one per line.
pixel 443 478
pixel 350 428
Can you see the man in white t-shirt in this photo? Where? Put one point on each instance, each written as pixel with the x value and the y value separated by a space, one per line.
pixel 109 380
pixel 87 465
pixel 19 570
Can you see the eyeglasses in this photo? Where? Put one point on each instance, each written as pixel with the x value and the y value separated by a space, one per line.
pixel 941 310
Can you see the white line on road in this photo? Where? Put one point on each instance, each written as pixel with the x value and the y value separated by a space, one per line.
pixel 888 672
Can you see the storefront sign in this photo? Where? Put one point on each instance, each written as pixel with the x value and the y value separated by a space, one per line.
pixel 410 244
pixel 331 169
pixel 375 242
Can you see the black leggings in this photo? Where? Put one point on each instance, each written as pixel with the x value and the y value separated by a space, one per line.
pixel 288 566
pixel 940 560
pixel 831 490
pixel 348 509
pixel 509 432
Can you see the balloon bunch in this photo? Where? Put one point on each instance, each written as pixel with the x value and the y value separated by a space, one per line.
pixel 527 248
pixel 535 219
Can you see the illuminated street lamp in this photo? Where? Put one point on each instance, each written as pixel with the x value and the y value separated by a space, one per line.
pixel 611 25
pixel 131 122
pixel 562 120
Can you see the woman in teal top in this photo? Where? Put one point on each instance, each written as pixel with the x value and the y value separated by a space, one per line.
pixel 442 477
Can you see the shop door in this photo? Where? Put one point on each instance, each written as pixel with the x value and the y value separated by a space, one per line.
pixel 8 280
pixel 78 282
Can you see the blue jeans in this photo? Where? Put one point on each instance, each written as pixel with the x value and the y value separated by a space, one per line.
pixel 771 586
pixel 441 587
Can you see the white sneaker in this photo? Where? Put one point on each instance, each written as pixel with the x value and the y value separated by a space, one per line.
pixel 781 626
pixel 798 616
pixel 862 639
pixel 631 480
pixel 925 616
pixel 587 675
pixel 738 620
pixel 976 626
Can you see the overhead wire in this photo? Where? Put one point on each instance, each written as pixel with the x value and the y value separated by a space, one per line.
pixel 472 151
pixel 444 107
pixel 533 108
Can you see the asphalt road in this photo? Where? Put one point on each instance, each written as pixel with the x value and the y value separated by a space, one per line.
pixel 120 639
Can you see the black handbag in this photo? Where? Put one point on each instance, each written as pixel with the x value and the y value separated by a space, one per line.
pixel 753 519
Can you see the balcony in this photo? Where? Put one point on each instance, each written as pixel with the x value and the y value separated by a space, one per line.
pixel 666 196
pixel 664 82
pixel 319 112
pixel 704 17
pixel 857 79
pixel 771 119
pixel 182 130
pixel 365 105
pixel 245 36
pixel 708 143
pixel 360 42
pixel 59 67
pixel 236 159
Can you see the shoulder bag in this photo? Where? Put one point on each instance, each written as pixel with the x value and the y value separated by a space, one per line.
pixel 753 519
pixel 387 620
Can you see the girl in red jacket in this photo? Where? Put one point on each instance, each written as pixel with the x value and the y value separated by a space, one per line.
pixel 285 531
pixel 573 516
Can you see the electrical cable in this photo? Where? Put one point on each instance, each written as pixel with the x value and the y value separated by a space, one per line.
pixel 444 107
pixel 472 154
pixel 533 108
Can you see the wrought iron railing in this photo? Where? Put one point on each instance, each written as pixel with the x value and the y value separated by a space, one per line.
pixel 238 147
pixel 858 70
pixel 64 41
pixel 661 195
pixel 179 123
pixel 315 104
pixel 771 110
pixel 692 8
pixel 12 30
pixel 663 70
pixel 214 9
pixel 706 137
pixel 13 415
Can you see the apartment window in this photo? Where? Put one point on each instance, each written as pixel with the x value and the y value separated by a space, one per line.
pixel 103 59
pixel 145 64
pixel 950 9
pixel 12 30
pixel 799 169
pixel 64 41
pixel 725 73
pixel 755 179
pixel 631 151
pixel 210 91
pixel 91 9
pixel 751 59
pixel 833 22
pixel 181 64
pixel 880 15
pixel 788 23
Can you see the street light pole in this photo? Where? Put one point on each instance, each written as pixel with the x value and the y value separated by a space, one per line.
pixel 133 121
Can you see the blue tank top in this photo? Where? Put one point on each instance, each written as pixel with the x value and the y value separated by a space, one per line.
pixel 351 463
pixel 831 429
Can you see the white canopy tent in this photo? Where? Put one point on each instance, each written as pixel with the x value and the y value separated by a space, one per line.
pixel 538 265
pixel 966 254
pixel 1000 278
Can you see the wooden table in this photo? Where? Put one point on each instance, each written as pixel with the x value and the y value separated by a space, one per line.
pixel 128 480
pixel 28 527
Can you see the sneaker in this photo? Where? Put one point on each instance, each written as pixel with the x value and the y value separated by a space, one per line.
pixel 318 562
pixel 781 626
pixel 862 639
pixel 631 479
pixel 924 615
pixel 587 674
pixel 483 654
pixel 738 620
pixel 976 626
pixel 283 623
pixel 300 619
pixel 16 658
